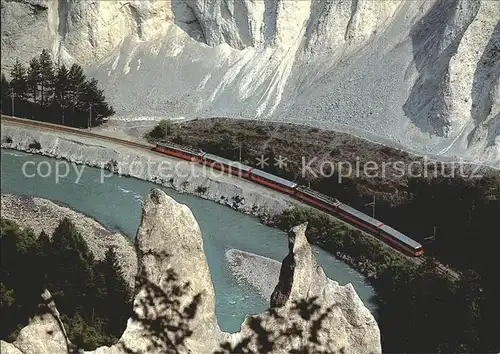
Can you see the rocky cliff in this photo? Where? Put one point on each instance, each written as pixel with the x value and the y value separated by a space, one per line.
pixel 423 74
pixel 309 312
pixel 174 286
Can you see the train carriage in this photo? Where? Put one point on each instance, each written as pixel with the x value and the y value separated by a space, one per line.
pixel 232 167
pixel 273 181
pixel 404 242
pixel 390 235
pixel 359 218
pixel 320 200
pixel 183 152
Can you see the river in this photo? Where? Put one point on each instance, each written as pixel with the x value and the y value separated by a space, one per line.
pixel 116 204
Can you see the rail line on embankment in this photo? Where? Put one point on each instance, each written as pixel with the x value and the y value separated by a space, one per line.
pixel 150 148
pixel 75 131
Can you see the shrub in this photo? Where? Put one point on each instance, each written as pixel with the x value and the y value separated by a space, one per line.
pixel 261 131
pixel 161 131
pixel 201 189
pixel 35 145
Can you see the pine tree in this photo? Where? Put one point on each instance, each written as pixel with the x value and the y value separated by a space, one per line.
pixel 77 80
pixel 67 237
pixel 5 87
pixel 93 97
pixel 34 78
pixel 118 293
pixel 5 92
pixel 62 90
pixel 44 257
pixel 46 77
pixel 74 272
pixel 19 83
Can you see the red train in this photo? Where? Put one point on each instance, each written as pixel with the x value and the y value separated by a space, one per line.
pixel 391 236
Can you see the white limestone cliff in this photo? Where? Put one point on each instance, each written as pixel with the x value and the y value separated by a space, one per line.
pixel 422 74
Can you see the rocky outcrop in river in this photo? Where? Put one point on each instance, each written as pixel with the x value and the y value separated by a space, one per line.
pixel 175 287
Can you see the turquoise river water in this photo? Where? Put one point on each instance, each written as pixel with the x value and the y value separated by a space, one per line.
pixel 116 204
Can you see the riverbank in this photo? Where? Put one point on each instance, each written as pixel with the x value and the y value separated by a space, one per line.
pixel 40 214
pixel 182 176
pixel 257 271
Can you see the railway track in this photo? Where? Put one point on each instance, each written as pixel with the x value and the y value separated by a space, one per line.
pixel 76 131
pixel 149 147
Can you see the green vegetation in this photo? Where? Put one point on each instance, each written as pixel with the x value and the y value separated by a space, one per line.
pixel 51 93
pixel 226 146
pixel 419 309
pixel 201 189
pixel 163 130
pixel 35 145
pixel 463 211
pixel 92 296
pixel 465 214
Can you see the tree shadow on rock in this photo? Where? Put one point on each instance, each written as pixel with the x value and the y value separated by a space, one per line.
pixel 163 312
pixel 166 312
pixel 300 330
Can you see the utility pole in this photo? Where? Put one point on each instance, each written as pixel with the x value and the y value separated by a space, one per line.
pixel 90 116
pixel 240 151
pixel 62 113
pixel 433 237
pixel 12 95
pixel 372 204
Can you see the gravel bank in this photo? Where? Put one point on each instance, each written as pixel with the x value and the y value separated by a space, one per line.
pixel 257 271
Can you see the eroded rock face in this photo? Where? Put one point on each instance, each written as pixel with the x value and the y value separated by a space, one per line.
pixel 170 239
pixel 172 262
pixel 423 74
pixel 347 326
pixel 238 194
